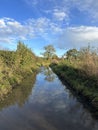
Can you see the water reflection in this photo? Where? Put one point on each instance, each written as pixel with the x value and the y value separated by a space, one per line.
pixel 50 106
pixel 49 75
pixel 20 93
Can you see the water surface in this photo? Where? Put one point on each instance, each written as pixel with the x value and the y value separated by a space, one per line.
pixel 44 104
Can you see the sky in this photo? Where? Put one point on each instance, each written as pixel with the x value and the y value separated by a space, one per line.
pixel 65 24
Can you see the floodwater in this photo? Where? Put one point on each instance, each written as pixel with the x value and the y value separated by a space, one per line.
pixel 44 104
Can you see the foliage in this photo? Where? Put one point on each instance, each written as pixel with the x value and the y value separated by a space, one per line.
pixel 25 58
pixel 8 57
pixel 15 66
pixel 73 53
pixel 49 52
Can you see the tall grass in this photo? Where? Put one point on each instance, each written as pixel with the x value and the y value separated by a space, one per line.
pixel 88 62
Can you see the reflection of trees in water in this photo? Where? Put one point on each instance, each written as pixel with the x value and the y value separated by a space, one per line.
pixel 19 94
pixel 49 75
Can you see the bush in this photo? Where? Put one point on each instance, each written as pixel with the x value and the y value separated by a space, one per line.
pixel 15 66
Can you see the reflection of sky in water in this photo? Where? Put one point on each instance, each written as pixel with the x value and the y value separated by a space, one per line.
pixel 50 107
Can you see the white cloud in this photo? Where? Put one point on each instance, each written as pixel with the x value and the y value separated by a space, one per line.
pixel 44 25
pixel 31 2
pixel 5 40
pixel 76 37
pixel 64 7
pixel 11 30
pixel 87 6
pixel 55 8
pixel 59 15
pixel 2 23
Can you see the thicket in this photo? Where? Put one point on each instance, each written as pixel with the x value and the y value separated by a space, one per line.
pixel 15 66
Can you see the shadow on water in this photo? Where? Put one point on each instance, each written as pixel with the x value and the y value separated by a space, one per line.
pixel 44 104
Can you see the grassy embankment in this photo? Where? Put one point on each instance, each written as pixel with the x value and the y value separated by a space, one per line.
pixel 81 73
pixel 16 66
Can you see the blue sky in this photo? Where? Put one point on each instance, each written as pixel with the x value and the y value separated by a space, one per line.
pixel 65 24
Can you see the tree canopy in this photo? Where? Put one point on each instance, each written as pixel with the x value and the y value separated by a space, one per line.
pixel 49 51
pixel 72 53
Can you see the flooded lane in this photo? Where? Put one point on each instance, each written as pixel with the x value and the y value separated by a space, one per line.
pixel 48 105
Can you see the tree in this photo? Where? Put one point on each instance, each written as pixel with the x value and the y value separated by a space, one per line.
pixel 24 56
pixel 49 51
pixel 72 53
